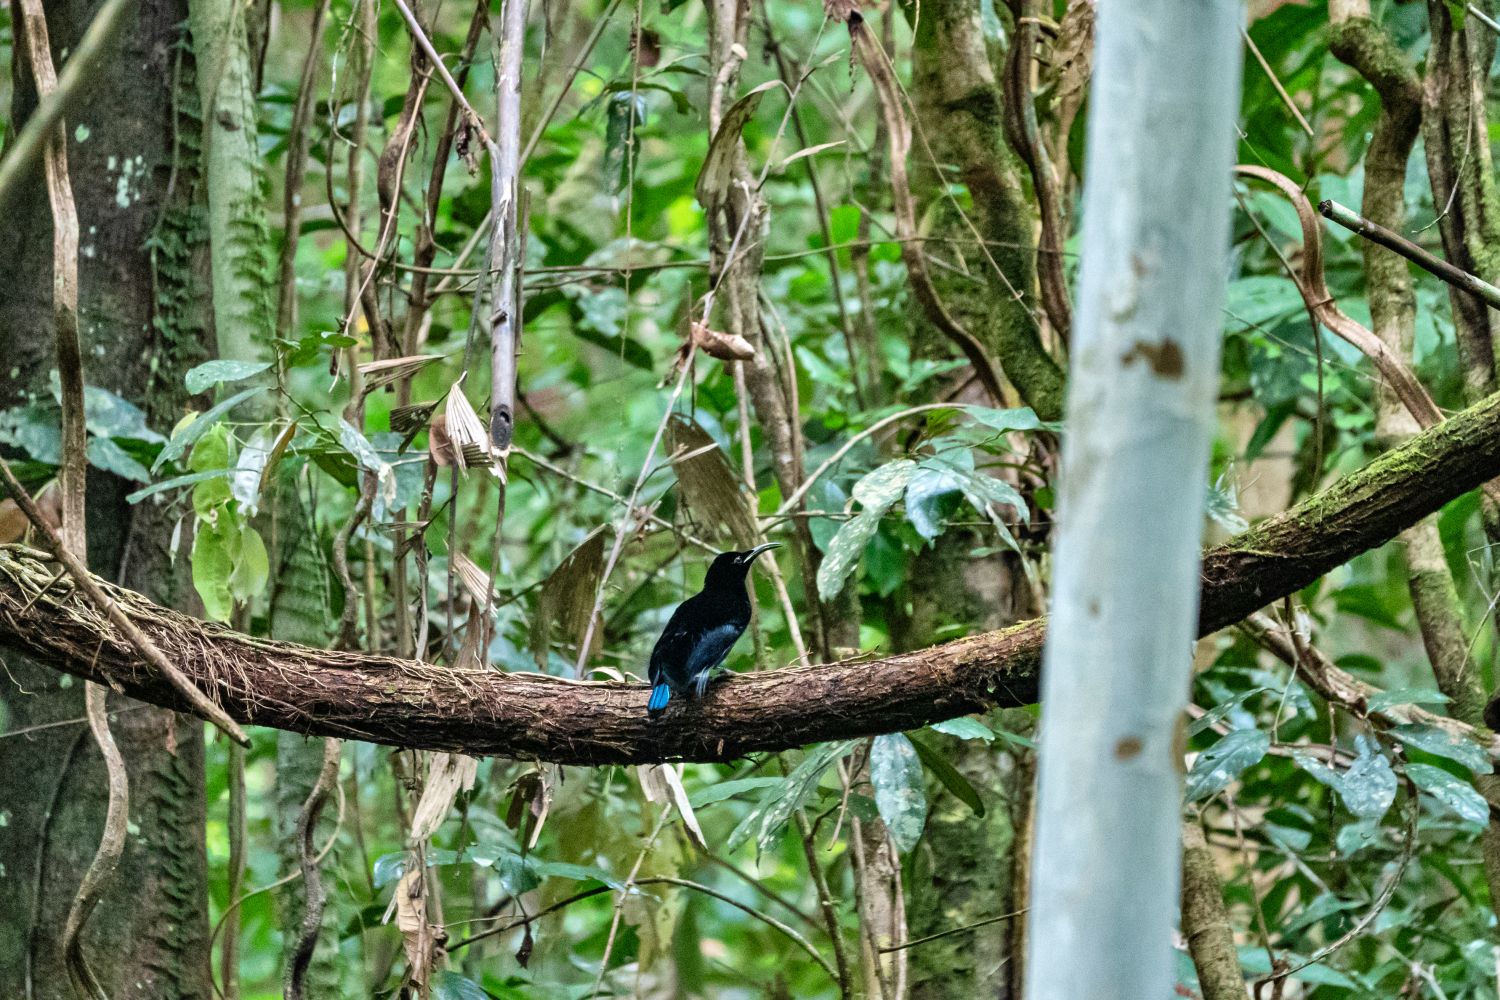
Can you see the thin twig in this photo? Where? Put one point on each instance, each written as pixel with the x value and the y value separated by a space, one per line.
pixel 1314 290
pixel 625 529
pixel 314 894
pixel 1483 18
pixel 599 890
pixel 111 845
pixel 791 502
pixel 1376 233
pixel 472 118
pixel 953 930
pixel 1280 90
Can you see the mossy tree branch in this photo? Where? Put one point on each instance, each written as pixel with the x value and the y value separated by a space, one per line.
pixel 406 703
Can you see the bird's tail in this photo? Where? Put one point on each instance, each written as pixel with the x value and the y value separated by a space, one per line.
pixel 660 695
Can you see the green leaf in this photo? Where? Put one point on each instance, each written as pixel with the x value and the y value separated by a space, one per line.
pixel 877 491
pixel 449 985
pixel 186 436
pixel 211 373
pixel 578 873
pixel 964 728
pixel 359 446
pixel 215 547
pixel 769 815
pixel 1019 419
pixel 389 868
pixel 175 482
pixel 1223 507
pixel 843 553
pixel 1382 700
pixel 879 488
pixel 729 789
pixel 36 430
pixel 1458 796
pixel 1442 743
pixel 1255 962
pixel 622 88
pixel 1226 760
pixel 108 415
pixel 625 114
pixel 1219 713
pixel 105 454
pixel 517 875
pixel 928 500
pixel 253 567
pixel 896 773
pixel 1368 788
pixel 945 772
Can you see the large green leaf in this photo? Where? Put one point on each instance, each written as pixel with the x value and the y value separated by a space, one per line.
pixel 1458 796
pixel 965 728
pixel 776 806
pixel 1225 761
pixel 1442 743
pixel 211 373
pixel 877 492
pixel 449 985
pixel 896 773
pixel 949 775
pixel 186 436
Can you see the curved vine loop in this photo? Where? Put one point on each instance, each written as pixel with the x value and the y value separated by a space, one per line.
pixel 1320 302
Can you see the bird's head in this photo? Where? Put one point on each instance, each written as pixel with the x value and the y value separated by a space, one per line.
pixel 729 567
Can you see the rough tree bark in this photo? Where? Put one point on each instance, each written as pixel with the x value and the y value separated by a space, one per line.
pixel 139 331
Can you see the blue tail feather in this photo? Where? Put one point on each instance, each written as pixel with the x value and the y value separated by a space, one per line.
pixel 660 695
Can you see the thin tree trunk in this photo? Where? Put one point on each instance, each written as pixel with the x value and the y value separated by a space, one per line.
pixel 1140 413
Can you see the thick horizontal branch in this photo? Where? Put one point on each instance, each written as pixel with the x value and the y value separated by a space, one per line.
pixel 526 715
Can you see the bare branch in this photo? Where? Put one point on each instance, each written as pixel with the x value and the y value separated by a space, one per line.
pixel 1375 233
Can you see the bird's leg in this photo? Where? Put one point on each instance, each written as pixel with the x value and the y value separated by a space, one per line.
pixel 700 683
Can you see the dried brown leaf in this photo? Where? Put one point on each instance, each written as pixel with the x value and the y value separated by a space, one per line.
pixel 1072 57
pixel 379 374
pixel 417 935
pixel 275 455
pixel 408 420
pixel 718 166
pixel 447 775
pixel 840 10
pixel 466 433
pixel 567 598
pixel 724 346
pixel 440 447
pixel 663 783
pixel 13 522
pixel 708 486
pixel 475 580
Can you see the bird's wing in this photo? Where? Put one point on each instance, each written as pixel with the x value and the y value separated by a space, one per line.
pixel 712 646
pixel 673 647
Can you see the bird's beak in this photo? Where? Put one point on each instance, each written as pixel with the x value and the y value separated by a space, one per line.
pixel 750 558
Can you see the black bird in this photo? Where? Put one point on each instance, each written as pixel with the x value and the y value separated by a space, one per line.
pixel 702 630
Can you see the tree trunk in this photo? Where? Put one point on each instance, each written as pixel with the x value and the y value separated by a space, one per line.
pixel 1140 412
pixel 140 330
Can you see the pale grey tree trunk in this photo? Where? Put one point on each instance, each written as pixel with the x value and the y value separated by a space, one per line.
pixel 1140 416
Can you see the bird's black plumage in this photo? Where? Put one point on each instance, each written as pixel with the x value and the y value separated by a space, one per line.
pixel 702 630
